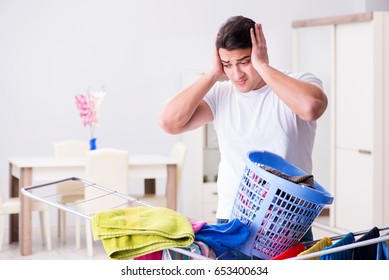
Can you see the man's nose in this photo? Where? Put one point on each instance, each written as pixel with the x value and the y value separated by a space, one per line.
pixel 237 72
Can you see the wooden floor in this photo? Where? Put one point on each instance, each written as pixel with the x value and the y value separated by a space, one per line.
pixel 59 251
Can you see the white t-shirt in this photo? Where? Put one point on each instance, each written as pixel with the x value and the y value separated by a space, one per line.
pixel 257 120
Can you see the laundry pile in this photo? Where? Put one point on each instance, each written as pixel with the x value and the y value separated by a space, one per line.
pixel 143 232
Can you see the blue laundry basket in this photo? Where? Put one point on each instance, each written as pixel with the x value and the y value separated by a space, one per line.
pixel 279 212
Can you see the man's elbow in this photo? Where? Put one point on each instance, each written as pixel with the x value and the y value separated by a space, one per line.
pixel 314 111
pixel 167 125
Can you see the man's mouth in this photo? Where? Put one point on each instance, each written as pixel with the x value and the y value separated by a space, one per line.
pixel 240 82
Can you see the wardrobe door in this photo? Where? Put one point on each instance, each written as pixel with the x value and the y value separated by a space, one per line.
pixel 354 126
pixel 354 195
pixel 386 119
pixel 354 86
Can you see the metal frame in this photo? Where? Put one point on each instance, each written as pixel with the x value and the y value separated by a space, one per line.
pixel 49 195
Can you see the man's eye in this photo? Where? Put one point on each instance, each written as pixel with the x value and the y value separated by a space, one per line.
pixel 226 65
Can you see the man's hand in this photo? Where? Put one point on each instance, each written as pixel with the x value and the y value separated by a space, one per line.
pixel 217 67
pixel 259 54
pixel 306 100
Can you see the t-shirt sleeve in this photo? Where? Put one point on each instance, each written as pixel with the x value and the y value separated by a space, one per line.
pixel 211 98
pixel 309 78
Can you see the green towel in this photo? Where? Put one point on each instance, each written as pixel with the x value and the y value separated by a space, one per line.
pixel 132 232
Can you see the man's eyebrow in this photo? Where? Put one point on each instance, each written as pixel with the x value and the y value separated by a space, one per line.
pixel 240 59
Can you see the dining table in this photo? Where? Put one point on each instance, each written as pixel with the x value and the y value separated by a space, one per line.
pixel 26 171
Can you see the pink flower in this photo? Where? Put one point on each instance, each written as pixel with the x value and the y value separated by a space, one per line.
pixel 88 106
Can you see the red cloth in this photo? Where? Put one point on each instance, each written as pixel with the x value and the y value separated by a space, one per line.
pixel 291 252
pixel 151 256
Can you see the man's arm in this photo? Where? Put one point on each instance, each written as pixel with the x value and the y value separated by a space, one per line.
pixel 307 100
pixel 187 110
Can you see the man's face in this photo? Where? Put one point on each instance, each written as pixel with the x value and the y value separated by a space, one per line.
pixel 238 68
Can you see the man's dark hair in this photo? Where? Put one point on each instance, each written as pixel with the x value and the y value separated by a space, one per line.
pixel 235 33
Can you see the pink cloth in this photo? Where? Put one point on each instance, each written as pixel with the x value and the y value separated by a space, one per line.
pixel 197 225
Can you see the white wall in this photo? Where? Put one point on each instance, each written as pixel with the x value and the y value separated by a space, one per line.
pixel 52 50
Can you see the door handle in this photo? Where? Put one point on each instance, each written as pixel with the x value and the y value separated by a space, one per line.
pixel 366 152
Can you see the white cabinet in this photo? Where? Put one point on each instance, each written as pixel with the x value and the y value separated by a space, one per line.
pixel 356 99
pixel 200 173
pixel 211 160
pixel 355 92
pixel 200 169
pixel 355 135
pixel 209 202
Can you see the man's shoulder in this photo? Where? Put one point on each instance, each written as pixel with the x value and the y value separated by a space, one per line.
pixel 222 88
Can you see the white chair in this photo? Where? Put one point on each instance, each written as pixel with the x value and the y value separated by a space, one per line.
pixel 12 206
pixel 178 152
pixel 69 191
pixel 108 168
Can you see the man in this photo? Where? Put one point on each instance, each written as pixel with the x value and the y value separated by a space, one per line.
pixel 257 108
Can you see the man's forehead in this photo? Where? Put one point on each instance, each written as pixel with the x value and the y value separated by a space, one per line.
pixel 234 55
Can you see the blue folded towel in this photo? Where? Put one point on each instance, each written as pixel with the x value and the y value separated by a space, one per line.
pixel 223 237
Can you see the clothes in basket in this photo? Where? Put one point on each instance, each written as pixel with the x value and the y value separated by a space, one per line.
pixel 277 210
